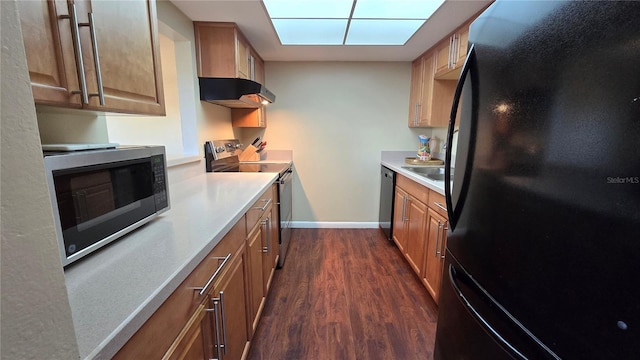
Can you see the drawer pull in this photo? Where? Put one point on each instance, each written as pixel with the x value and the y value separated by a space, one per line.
pixel 444 237
pixel 266 205
pixel 267 223
pixel 437 248
pixel 203 290
pixel 215 328
pixel 440 205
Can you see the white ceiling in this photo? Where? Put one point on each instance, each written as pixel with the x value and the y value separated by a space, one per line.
pixel 252 18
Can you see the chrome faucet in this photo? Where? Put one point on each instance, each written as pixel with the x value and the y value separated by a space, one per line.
pixel 444 146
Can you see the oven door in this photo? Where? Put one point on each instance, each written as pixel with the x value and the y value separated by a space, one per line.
pixel 285 204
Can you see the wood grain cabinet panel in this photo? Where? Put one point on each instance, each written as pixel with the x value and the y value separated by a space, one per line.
pixel 126 35
pixel 231 325
pixel 410 217
pixel 420 231
pixel 163 334
pixel 435 251
pixel 50 55
pixel 223 51
pixel 256 280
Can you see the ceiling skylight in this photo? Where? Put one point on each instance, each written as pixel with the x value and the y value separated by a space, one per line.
pixel 348 22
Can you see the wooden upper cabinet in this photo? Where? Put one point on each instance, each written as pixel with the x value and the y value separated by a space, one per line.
pixel 222 51
pixel 50 56
pixel 129 52
pixel 257 68
pixel 451 53
pixel 427 96
pixel 126 37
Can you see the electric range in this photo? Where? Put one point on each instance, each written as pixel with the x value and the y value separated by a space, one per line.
pixel 223 156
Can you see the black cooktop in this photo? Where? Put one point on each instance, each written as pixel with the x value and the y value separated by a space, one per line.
pixel 280 168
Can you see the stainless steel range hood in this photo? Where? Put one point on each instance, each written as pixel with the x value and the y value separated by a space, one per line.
pixel 235 92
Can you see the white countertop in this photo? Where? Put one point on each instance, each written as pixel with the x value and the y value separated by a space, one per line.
pixel 394 160
pixel 115 290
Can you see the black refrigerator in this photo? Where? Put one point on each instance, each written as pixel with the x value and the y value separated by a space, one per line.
pixel 543 251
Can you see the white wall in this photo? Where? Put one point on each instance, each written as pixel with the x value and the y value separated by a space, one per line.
pixel 337 117
pixel 36 318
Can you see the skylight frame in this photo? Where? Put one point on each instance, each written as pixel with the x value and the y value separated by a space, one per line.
pixel 407 12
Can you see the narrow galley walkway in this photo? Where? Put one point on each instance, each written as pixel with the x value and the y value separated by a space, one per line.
pixel 345 294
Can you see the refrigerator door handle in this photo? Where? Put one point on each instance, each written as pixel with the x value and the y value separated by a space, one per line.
pixel 541 350
pixel 453 210
pixel 494 334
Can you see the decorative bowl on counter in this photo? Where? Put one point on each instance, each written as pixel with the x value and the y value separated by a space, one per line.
pixel 416 161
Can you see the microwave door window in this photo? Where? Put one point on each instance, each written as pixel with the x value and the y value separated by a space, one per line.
pixel 94 202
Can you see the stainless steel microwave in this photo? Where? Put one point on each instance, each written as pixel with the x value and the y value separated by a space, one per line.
pixel 100 195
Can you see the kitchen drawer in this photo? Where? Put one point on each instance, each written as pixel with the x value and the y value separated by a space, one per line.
pixel 413 188
pixel 259 208
pixel 438 203
pixel 157 334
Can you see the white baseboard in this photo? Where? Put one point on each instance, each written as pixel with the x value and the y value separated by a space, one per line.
pixel 333 225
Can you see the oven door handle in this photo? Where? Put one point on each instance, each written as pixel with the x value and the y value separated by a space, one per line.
pixel 286 177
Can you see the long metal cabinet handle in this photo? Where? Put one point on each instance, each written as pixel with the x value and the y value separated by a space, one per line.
pixel 286 177
pixel 454 51
pixel 96 59
pixel 267 223
pixel 75 31
pixel 444 237
pixel 437 252
pixel 404 208
pixel 450 62
pixel 224 323
pixel 214 327
pixel 266 205
pixel 203 290
pixel 440 205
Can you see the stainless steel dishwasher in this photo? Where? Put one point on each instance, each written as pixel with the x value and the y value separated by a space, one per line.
pixel 387 191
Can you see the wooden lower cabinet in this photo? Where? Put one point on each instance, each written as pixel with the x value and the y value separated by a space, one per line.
pixel 410 220
pixel 416 242
pixel 420 231
pixel 262 253
pixel 434 256
pixel 220 322
pixel 218 329
pixel 193 341
pixel 256 281
pixel 399 219
pixel 229 299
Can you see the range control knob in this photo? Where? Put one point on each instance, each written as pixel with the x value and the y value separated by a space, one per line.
pixel 238 146
pixel 220 149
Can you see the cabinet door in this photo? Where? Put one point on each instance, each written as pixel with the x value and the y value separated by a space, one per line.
pixel 434 256
pixel 399 219
pixel 242 58
pixel 194 342
pixel 426 100
pixel 258 69
pixel 267 260
pixel 127 42
pixel 232 327
pixel 254 118
pixel 462 44
pixel 416 92
pixel 256 287
pixel 50 53
pixel 443 55
pixel 416 239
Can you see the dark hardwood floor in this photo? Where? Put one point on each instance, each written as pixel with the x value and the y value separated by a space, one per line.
pixel 345 294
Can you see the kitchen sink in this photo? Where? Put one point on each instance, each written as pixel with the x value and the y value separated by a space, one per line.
pixel 430 172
